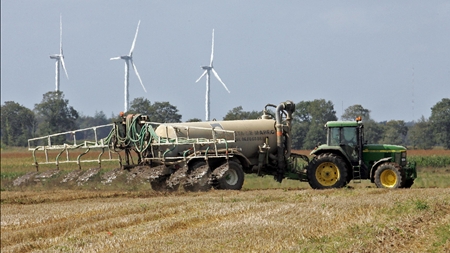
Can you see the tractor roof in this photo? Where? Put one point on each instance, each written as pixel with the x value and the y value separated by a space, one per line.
pixel 342 124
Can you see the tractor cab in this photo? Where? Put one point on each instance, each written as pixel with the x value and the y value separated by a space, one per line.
pixel 345 136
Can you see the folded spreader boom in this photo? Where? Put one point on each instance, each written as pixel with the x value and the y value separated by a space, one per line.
pixel 86 138
pixel 152 151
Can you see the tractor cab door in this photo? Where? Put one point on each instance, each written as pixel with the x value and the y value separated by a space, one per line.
pixel 349 142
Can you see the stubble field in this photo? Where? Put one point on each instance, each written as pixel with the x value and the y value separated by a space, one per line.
pixel 265 216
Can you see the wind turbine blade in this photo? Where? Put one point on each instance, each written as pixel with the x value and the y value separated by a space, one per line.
pixel 60 34
pixel 212 50
pixel 64 65
pixel 204 73
pixel 220 80
pixel 115 58
pixel 135 36
pixel 137 73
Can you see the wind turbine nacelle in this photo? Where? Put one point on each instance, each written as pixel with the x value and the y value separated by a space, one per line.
pixel 54 56
pixel 206 67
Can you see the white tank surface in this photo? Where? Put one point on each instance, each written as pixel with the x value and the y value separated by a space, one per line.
pixel 248 134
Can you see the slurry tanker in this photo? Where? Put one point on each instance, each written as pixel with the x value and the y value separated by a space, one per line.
pixel 217 154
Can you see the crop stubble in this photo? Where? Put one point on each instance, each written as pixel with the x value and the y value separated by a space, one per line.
pixel 340 220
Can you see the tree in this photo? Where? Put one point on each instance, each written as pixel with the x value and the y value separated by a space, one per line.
pixel 309 120
pixel 440 122
pixel 194 120
pixel 395 132
pixel 373 131
pixel 165 112
pixel 315 136
pixel 54 114
pixel 140 105
pixel 89 121
pixel 354 111
pixel 162 112
pixel 18 124
pixel 419 134
pixel 238 113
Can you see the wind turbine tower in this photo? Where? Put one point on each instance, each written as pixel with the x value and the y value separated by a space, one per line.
pixel 207 72
pixel 59 57
pixel 129 61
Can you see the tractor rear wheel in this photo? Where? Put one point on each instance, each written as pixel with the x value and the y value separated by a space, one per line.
pixel 327 171
pixel 389 175
pixel 233 179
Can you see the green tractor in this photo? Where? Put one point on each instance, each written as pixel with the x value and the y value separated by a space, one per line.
pixel 346 156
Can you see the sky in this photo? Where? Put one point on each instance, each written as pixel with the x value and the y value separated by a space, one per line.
pixel 391 57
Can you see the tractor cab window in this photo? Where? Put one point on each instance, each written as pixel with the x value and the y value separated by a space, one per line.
pixel 349 136
pixel 334 136
pixel 342 136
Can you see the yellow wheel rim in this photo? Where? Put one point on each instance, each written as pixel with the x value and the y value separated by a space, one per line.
pixel 327 174
pixel 388 178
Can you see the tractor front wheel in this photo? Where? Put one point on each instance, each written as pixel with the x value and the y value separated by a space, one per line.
pixel 389 175
pixel 327 171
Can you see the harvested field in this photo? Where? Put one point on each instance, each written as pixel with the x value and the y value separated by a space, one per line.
pixel 109 210
pixel 340 220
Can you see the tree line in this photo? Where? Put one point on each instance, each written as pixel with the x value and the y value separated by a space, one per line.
pixel 55 115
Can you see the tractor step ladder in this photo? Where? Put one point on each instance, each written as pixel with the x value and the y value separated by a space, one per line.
pixel 357 174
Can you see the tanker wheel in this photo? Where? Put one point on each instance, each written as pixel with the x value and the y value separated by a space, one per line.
pixel 327 171
pixel 200 184
pixel 389 175
pixel 233 179
pixel 160 185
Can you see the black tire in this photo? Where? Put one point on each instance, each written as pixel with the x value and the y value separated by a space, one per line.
pixel 201 184
pixel 389 175
pixel 327 171
pixel 233 179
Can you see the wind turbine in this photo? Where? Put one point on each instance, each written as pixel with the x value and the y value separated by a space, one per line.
pixel 207 71
pixel 129 60
pixel 59 57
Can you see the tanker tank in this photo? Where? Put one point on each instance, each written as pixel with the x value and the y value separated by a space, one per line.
pixel 248 134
